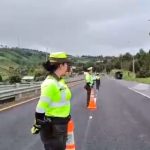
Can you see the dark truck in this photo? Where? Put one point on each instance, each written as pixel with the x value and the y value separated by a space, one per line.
pixel 118 75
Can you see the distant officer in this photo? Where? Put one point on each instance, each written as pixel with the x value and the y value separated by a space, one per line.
pixel 53 109
pixel 97 81
pixel 89 83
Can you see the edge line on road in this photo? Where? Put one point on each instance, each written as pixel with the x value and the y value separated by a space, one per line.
pixel 140 93
pixel 18 104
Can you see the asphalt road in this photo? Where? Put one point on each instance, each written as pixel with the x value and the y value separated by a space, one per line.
pixel 120 122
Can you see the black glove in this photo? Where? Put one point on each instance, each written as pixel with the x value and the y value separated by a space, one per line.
pixel 38 124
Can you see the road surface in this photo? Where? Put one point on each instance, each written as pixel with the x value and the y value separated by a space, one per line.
pixel 120 122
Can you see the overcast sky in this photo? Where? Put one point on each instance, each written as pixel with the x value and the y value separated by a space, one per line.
pixel 79 27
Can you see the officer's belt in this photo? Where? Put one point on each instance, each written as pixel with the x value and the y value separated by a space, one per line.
pixel 59 120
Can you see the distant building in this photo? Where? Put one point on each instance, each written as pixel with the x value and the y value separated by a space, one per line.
pixel 27 79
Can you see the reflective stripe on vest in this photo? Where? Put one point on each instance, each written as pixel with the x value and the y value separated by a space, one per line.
pixel 61 103
pixel 40 110
pixel 51 104
pixel 97 77
pixel 89 78
pixel 45 99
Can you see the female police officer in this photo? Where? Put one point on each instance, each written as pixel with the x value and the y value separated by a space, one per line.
pixel 53 108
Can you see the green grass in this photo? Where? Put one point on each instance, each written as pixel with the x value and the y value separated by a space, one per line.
pixel 130 76
pixel 143 80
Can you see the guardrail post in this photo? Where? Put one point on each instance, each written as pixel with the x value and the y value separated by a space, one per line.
pixel 18 96
pixel 36 91
pixel 17 85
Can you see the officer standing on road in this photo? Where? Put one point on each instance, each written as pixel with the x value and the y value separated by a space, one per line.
pixel 89 83
pixel 53 109
pixel 97 81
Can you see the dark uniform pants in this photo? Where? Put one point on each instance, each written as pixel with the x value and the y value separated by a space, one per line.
pixel 97 84
pixel 88 89
pixel 88 96
pixel 54 136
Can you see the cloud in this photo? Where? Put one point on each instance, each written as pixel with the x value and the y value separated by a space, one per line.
pixel 76 26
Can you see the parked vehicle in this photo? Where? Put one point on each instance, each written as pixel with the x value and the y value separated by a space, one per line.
pixel 118 75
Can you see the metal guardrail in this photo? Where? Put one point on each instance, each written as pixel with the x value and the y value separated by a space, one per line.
pixel 11 93
pixel 17 85
pixel 7 94
pixel 19 89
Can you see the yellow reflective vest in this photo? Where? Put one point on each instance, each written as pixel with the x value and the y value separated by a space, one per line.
pixel 97 77
pixel 89 78
pixel 55 98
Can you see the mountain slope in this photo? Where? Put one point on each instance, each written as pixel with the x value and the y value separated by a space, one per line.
pixel 16 58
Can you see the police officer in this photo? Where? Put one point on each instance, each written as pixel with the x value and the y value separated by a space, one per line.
pixel 53 109
pixel 89 83
pixel 97 81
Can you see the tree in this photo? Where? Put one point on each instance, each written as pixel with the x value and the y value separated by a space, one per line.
pixel 117 65
pixel 136 66
pixel 1 78
pixel 143 73
pixel 14 79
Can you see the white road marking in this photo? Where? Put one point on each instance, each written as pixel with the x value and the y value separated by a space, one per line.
pixel 141 86
pixel 83 147
pixel 90 117
pixel 139 92
pixel 2 109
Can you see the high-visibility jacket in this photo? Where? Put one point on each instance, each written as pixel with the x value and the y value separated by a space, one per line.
pixel 97 77
pixel 55 98
pixel 89 78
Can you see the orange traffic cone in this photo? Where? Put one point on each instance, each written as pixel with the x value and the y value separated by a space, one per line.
pixel 92 102
pixel 70 144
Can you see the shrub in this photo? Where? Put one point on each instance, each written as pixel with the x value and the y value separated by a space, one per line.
pixel 143 73
pixel 14 79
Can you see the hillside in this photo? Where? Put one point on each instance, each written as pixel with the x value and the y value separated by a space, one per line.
pixel 19 59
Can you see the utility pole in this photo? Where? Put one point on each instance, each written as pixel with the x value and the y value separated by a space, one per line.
pixel 133 65
pixel 121 61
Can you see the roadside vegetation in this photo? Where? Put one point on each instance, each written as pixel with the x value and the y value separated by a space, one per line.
pixel 18 62
pixel 130 76
pixel 134 68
